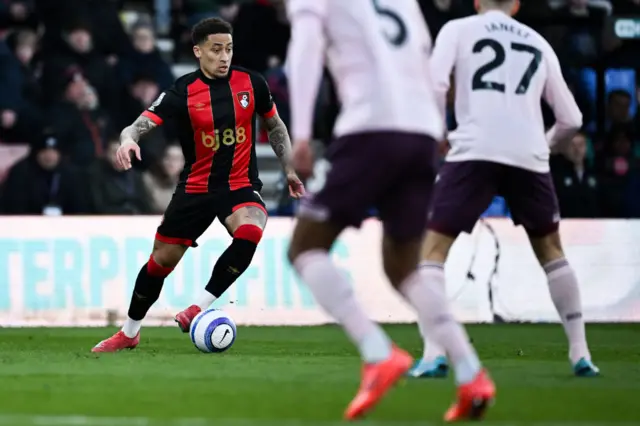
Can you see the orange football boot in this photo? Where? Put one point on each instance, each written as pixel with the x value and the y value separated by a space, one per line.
pixel 377 380
pixel 117 342
pixel 185 317
pixel 473 399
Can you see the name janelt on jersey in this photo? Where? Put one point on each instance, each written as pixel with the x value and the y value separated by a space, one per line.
pixel 494 27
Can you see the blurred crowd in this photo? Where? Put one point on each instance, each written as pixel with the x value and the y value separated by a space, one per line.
pixel 73 73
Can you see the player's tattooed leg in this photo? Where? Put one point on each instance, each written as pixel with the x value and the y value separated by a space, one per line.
pixel 249 215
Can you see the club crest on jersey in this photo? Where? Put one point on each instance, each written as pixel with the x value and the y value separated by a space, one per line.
pixel 244 99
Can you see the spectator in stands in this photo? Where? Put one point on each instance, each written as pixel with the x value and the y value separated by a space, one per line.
pixel 576 182
pixel 114 192
pixel 277 80
pixel 254 19
pixel 21 97
pixel 79 50
pixel 141 93
pixel 81 124
pixel 618 119
pixel 102 16
pixel 197 10
pixel 161 180
pixel 9 88
pixel 581 43
pixel 18 14
pixel 619 169
pixel 619 108
pixel 43 184
pixel 145 58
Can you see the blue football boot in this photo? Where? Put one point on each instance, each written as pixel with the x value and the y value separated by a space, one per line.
pixel 437 368
pixel 585 368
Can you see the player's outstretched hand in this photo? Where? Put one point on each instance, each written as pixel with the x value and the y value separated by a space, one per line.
pixel 296 188
pixel 123 156
pixel 303 158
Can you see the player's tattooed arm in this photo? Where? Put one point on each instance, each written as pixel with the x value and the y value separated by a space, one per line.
pixel 139 128
pixel 279 140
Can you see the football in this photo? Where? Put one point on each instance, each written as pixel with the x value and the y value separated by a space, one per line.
pixel 213 331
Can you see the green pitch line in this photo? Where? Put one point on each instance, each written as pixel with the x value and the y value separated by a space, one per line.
pixel 301 376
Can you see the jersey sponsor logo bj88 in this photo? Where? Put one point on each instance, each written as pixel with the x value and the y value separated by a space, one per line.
pixel 225 137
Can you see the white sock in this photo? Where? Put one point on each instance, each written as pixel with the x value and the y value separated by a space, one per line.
pixel 431 349
pixel 565 293
pixel 131 328
pixel 206 300
pixel 424 290
pixel 333 292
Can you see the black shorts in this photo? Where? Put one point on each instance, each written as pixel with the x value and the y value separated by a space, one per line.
pixel 189 215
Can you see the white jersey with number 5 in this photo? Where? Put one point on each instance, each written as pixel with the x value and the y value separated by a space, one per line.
pixel 377 52
pixel 502 69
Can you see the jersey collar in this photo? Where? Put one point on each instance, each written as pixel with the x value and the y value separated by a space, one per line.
pixel 208 80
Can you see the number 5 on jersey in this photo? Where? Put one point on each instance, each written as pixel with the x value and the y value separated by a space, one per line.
pixel 500 56
pixel 401 35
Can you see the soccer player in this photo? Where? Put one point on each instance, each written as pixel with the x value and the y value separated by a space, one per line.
pixel 215 109
pixel 502 70
pixel 384 157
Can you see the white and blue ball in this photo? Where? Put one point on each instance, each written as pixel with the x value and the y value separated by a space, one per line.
pixel 213 331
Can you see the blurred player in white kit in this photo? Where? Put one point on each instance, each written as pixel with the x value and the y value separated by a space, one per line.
pixel 502 69
pixel 385 156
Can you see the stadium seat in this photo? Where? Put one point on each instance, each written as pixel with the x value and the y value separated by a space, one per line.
pixel 623 79
pixel 497 208
pixel 615 79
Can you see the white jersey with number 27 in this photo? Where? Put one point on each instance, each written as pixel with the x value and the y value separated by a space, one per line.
pixel 377 52
pixel 502 69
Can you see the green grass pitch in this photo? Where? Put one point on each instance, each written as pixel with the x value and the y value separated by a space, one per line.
pixel 302 376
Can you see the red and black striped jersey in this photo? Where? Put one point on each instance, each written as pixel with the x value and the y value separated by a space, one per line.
pixel 216 122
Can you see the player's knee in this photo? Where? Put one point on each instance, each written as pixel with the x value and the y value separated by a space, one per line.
pixel 167 255
pixel 547 248
pixel 436 246
pixel 248 232
pixel 245 243
pixel 157 270
pixel 399 258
